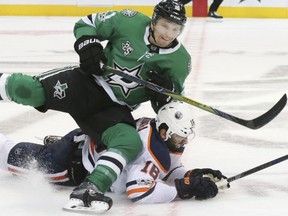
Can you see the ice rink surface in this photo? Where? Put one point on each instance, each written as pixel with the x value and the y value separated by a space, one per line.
pixel 240 66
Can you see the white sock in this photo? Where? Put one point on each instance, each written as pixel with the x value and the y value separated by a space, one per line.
pixel 3 81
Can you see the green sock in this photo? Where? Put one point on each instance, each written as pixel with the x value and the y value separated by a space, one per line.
pixel 103 177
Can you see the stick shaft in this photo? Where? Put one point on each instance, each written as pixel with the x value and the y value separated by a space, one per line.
pixel 252 124
pixel 258 168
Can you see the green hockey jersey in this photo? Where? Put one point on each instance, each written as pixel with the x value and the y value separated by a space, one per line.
pixel 128 49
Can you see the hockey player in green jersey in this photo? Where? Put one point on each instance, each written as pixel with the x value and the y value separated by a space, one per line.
pixel 101 102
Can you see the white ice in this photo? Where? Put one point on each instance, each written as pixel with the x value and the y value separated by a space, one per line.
pixel 240 66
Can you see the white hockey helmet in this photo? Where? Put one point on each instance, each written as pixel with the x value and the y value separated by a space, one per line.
pixel 177 117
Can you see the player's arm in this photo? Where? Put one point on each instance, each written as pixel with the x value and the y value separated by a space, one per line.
pixel 89 32
pixel 102 25
pixel 174 173
pixel 143 185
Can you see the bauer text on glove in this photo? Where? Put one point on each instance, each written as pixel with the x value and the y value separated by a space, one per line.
pixel 91 53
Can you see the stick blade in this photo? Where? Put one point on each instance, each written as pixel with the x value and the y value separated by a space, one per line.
pixel 269 115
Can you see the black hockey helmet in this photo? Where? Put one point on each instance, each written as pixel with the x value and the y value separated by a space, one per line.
pixel 172 10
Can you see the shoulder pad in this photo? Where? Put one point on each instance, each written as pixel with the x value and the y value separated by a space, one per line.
pixel 128 12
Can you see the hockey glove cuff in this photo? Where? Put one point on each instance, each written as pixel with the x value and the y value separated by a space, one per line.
pixel 200 188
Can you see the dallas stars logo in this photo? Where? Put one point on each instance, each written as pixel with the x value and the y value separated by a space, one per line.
pixel 125 85
pixel 60 90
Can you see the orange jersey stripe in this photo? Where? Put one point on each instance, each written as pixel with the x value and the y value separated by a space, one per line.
pixel 138 190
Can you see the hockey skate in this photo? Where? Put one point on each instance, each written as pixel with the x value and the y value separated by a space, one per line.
pixel 87 199
pixel 213 14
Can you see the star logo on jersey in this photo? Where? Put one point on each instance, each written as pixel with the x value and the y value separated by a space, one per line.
pixel 125 85
pixel 60 90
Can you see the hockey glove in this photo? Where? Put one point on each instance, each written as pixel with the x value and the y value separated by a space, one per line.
pixel 90 52
pixel 90 195
pixel 163 81
pixel 200 188
pixel 214 175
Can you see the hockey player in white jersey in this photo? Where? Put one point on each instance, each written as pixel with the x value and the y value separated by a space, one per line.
pixel 155 176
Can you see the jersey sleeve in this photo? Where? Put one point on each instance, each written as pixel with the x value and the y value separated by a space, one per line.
pixel 176 173
pixel 177 170
pixel 102 25
pixel 144 186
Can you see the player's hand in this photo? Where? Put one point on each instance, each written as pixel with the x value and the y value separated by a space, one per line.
pixel 163 81
pixel 91 53
pixel 200 187
pixel 214 175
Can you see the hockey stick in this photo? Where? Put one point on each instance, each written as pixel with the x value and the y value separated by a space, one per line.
pixel 252 124
pixel 225 182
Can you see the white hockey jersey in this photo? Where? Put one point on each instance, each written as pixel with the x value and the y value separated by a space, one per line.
pixel 150 177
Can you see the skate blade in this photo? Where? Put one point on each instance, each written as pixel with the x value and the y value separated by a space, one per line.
pixel 77 206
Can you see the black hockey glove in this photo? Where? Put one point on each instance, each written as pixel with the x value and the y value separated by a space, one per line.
pixel 214 175
pixel 163 81
pixel 88 193
pixel 90 52
pixel 200 188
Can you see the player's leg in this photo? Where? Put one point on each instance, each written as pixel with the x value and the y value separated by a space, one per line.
pixel 115 128
pixel 63 156
pixel 22 158
pixel 123 144
pixel 59 162
pixel 70 90
pixel 22 89
pixel 63 89
pixel 5 146
pixel 213 9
